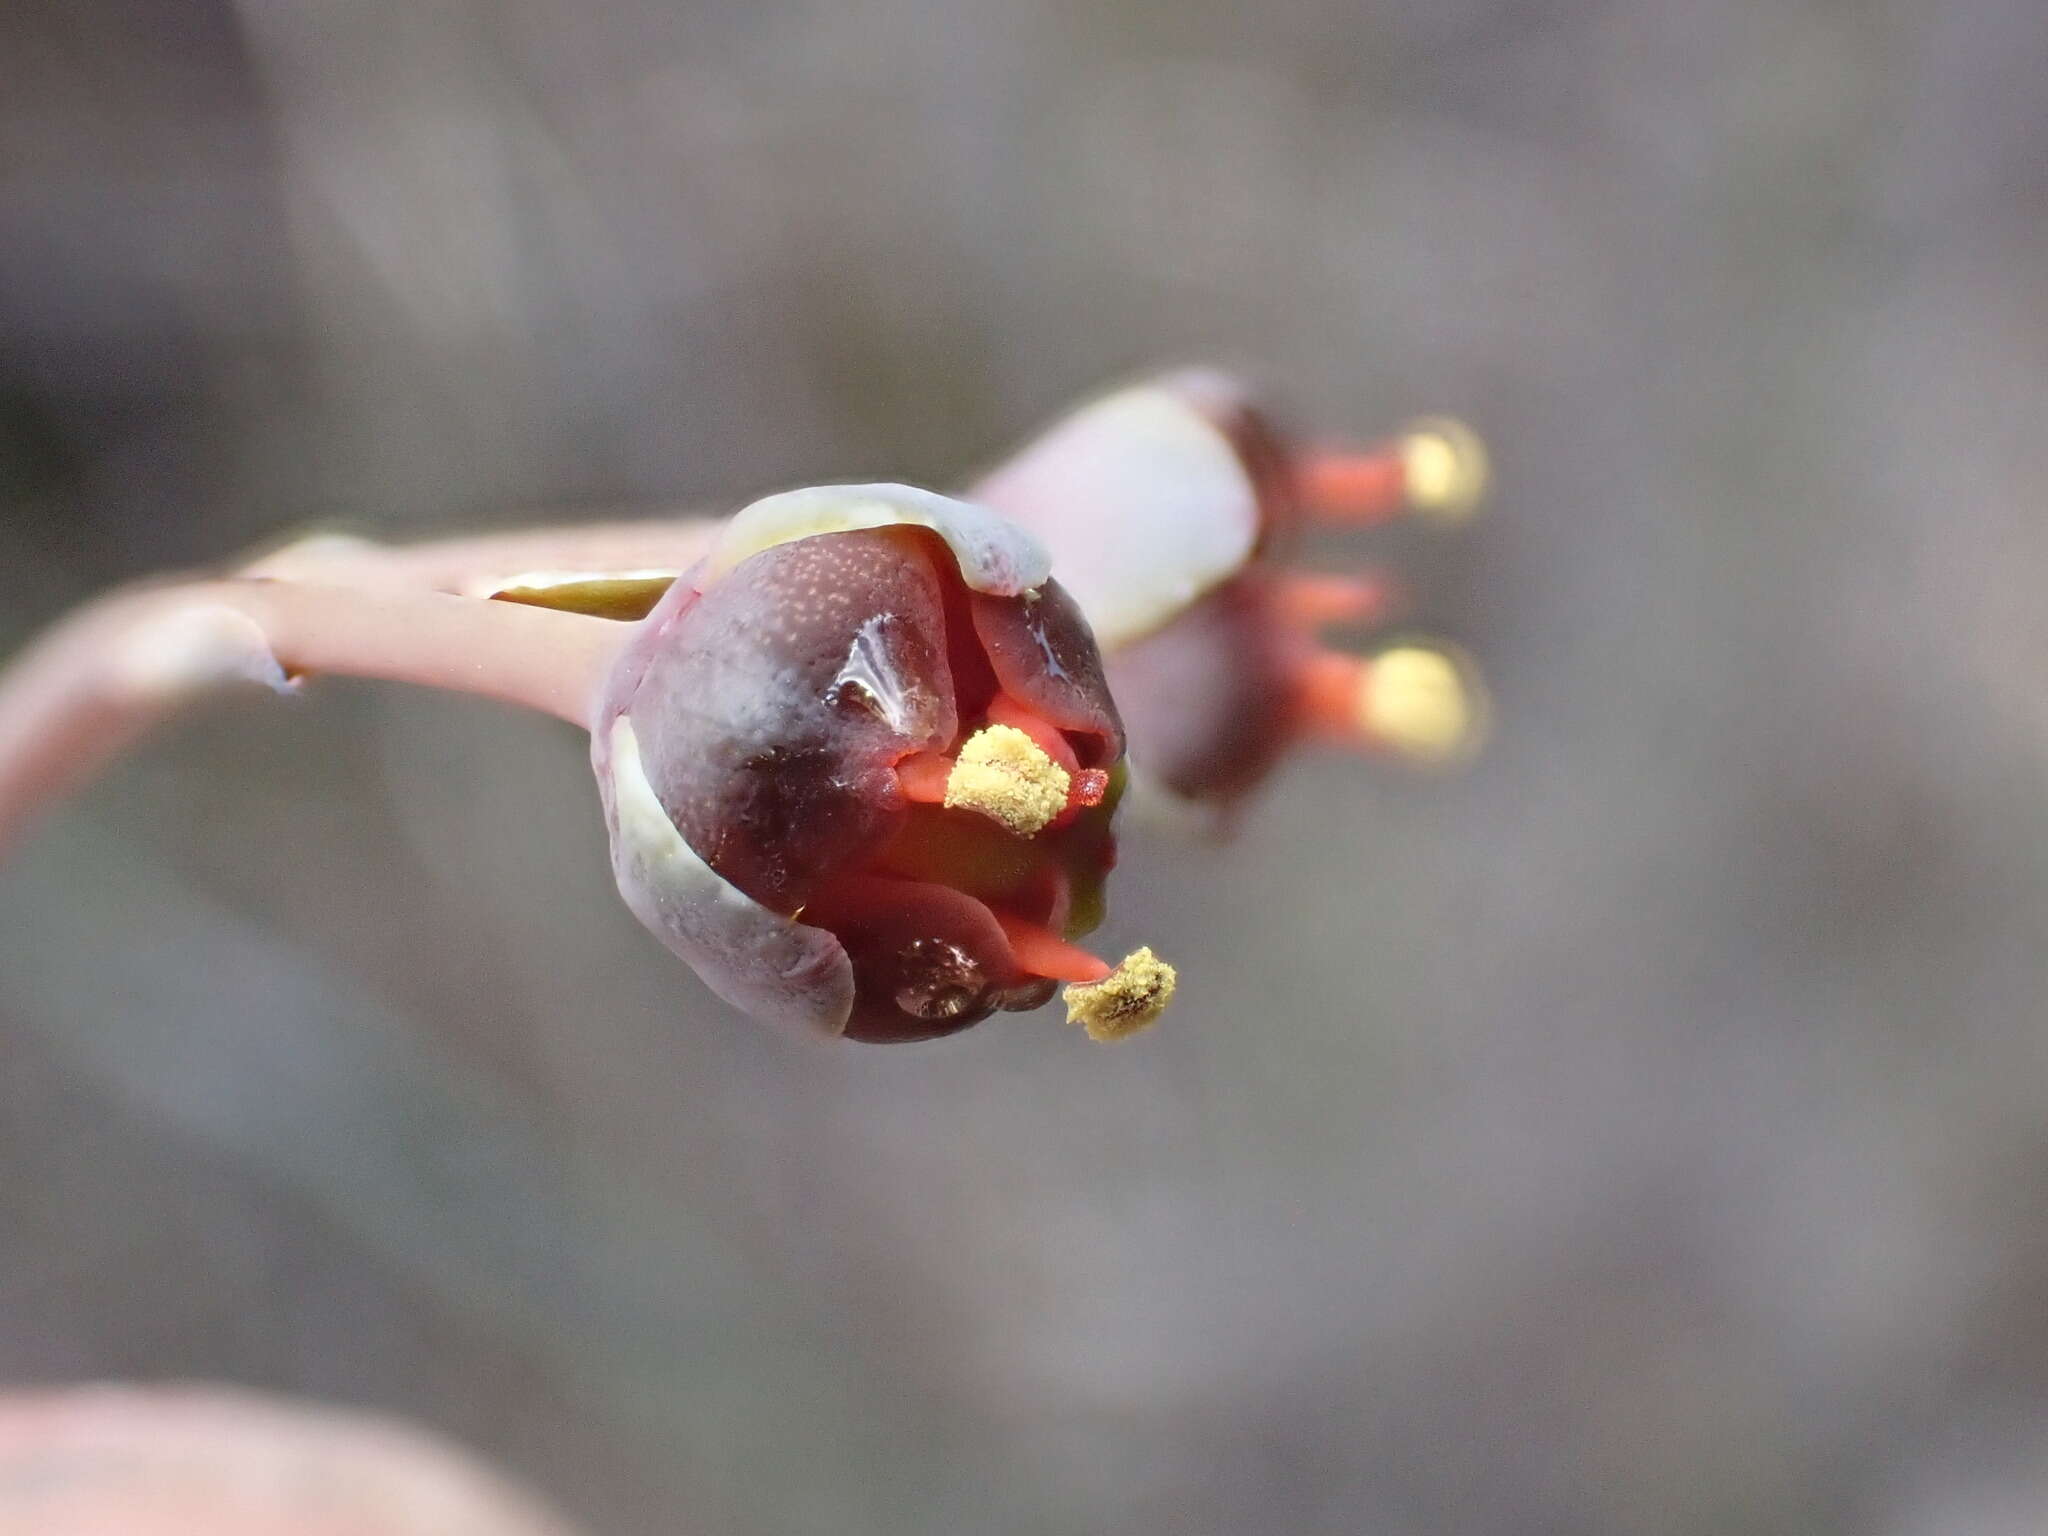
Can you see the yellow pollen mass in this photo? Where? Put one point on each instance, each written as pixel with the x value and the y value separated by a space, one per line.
pixel 1005 775
pixel 1127 1000
pixel 1416 700
pixel 1443 466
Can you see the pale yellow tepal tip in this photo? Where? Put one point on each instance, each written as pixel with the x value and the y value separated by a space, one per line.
pixel 1128 999
pixel 1421 703
pixel 1444 468
pixel 1005 775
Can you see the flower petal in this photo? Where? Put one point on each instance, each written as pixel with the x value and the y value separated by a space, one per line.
pixel 1144 501
pixel 994 554
pixel 773 704
pixel 764 964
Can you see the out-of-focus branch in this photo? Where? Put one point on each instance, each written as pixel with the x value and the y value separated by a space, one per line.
pixel 168 1461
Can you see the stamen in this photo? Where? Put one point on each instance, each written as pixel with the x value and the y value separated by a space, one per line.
pixel 1005 775
pixel 1129 999
pixel 1041 952
pixel 1436 469
pixel 1418 701
pixel 927 778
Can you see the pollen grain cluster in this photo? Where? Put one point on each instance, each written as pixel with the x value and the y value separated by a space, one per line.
pixel 1127 1000
pixel 1444 467
pixel 1005 775
pixel 1415 699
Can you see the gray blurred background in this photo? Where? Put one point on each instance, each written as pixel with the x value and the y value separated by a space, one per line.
pixel 1647 1131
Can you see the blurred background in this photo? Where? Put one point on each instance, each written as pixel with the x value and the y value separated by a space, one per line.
pixel 1646 1131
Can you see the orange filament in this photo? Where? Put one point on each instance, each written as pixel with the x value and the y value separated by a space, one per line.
pixel 1326 687
pixel 1354 487
pixel 923 776
pixel 1312 601
pixel 1005 710
pixel 1041 952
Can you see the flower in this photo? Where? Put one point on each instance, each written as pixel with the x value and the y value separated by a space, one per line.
pixel 859 765
pixel 858 761
pixel 1164 504
pixel 1167 507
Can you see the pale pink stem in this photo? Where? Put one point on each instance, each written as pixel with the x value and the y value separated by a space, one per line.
pixel 91 686
pixel 483 564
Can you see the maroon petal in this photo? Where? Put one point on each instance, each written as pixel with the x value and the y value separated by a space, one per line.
pixel 772 707
pixel 1044 656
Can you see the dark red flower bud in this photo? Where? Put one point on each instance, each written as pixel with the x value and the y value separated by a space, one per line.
pixel 859 766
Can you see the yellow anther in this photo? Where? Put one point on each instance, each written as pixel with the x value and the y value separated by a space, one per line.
pixel 1443 468
pixel 1005 775
pixel 1422 703
pixel 1128 999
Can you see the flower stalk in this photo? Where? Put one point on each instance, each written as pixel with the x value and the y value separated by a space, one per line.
pixel 84 692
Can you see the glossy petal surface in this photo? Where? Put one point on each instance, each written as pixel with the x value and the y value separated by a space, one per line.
pixel 1144 502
